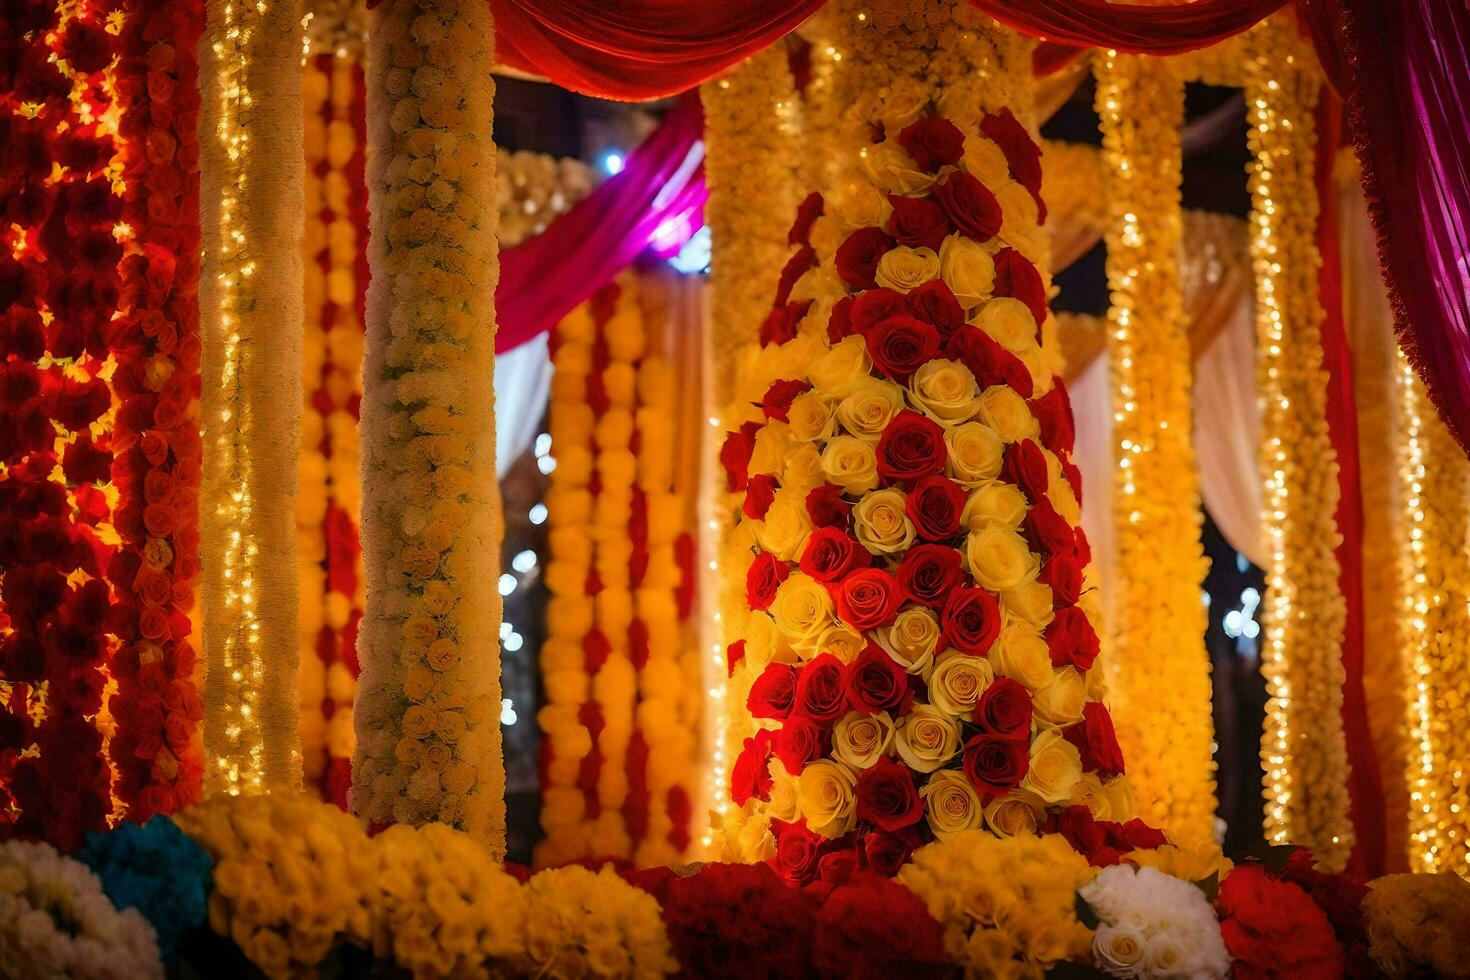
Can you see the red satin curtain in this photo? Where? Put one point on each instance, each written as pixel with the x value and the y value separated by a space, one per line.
pixel 1158 29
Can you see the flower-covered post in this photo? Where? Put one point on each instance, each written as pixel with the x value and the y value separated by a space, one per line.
pixel 428 707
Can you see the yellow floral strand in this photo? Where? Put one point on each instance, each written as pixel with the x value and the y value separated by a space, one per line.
pixel 1303 750
pixel 1160 671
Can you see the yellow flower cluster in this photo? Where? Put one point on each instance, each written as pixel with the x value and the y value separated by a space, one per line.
pixel 533 189
pixel 1159 672
pixel 1434 582
pixel 336 27
pixel 328 480
pixel 428 707
pixel 620 663
pixel 1416 923
pixel 1303 750
pixel 1007 904
pixel 291 874
pixel 592 923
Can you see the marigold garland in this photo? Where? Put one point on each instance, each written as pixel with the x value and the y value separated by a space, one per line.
pixel 428 707
pixel 1434 585
pixel 620 736
pixel 1303 751
pixel 1160 670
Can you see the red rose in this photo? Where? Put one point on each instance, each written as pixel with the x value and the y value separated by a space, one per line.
pixel 1016 277
pixel 773 692
pixel 918 222
pixel 86 47
pixel 765 576
pixel 1139 836
pixel 934 302
pixel 933 142
pixel 910 448
pixel 832 554
pixel 901 344
pixel 1004 710
pixel 826 508
pixel 886 853
pixel 807 212
pixel 1071 639
pixel 874 682
pixel 970 621
pixel 1048 532
pixel 734 454
pixel 778 398
pixel 801 260
pixel 868 598
pixel 781 323
pixel 1086 835
pixel 886 796
pixel 1273 928
pixel 875 306
pixel 1064 574
pixel 798 851
pixel 1096 741
pixel 991 363
pixel 929 574
pixel 760 491
pixel 970 205
pixel 751 776
pixel 85 462
pixel 1073 476
pixel 1025 466
pixel 1023 156
pixel 734 654
pixel 799 741
pixel 821 690
pixel 1053 413
pixel 934 504
pixel 995 765
pixel 839 322
pixel 857 257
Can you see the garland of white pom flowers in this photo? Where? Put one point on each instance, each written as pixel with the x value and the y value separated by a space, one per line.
pixel 1153 925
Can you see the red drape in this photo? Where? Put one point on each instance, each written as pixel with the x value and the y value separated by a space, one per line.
pixel 1158 29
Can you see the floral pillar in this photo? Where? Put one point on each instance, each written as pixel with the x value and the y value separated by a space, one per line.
pixel 428 707
pixel 250 329
pixel 1160 669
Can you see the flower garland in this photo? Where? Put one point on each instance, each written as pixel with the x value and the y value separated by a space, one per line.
pixel 750 163
pixel 1160 671
pixel 1303 751
pixel 1416 923
pixel 55 921
pixel 534 189
pixel 60 285
pixel 250 327
pixel 428 708
pixel 328 501
pixel 619 731
pixel 1434 581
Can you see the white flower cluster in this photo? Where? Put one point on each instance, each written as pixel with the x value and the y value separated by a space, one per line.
pixel 534 189
pixel 56 922
pixel 1153 926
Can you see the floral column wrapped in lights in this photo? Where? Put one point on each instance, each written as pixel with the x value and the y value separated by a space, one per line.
pixel 1160 669
pixel 428 707
pixel 250 328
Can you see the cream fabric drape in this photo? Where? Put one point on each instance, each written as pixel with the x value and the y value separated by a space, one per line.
pixel 522 384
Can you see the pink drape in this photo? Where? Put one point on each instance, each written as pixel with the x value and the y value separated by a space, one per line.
pixel 656 201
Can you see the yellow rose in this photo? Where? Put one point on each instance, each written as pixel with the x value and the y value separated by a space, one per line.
pixel 927 738
pixel 1000 558
pixel 911 640
pixel 782 805
pixel 1008 414
pixel 881 522
pixel 840 640
pixel 836 371
pixel 951 803
pixel 1060 703
pixel 761 640
pixel 769 453
pixel 1030 602
pixel 1062 497
pixel 859 204
pixel 1018 812
pixel 1022 655
pixel 802 472
pixel 803 607
pixel 975 454
pixel 850 464
pixel 1039 366
pixel 1019 214
pixel 824 795
pixel 1120 797
pixel 1055 767
pixel 868 408
pixel 1010 323
pixel 967 269
pixel 986 161
pixel 787 525
pixel 1089 793
pixel 753 840
pixel 958 681
pixel 894 170
pixel 859 738
pixel 945 391
pixel 811 417
pixel 903 268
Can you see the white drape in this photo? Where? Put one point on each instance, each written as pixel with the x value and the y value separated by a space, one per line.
pixel 1227 427
pixel 522 385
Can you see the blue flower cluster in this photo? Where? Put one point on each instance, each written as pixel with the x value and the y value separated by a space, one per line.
pixel 157 869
